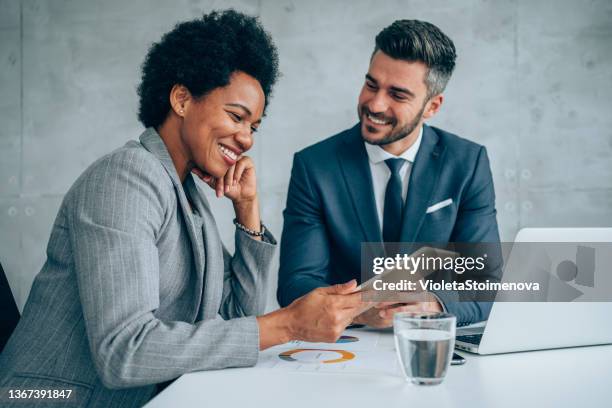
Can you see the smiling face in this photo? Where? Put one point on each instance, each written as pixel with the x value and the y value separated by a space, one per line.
pixel 393 102
pixel 218 128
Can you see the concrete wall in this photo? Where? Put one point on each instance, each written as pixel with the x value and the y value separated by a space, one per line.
pixel 533 83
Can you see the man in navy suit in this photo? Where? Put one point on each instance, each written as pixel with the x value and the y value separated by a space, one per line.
pixel 389 178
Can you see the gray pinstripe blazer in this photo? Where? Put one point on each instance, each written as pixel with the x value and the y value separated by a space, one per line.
pixel 136 290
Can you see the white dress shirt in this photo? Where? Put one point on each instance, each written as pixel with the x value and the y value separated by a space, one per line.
pixel 381 173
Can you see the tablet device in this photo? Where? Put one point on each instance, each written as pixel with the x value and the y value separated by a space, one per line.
pixel 418 268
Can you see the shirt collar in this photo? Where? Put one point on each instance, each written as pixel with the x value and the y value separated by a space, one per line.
pixel 376 154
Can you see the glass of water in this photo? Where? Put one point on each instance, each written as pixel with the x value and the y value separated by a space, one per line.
pixel 424 343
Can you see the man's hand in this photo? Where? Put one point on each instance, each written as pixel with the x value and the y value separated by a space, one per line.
pixel 381 316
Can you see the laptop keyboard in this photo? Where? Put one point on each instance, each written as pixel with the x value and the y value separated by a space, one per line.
pixel 472 339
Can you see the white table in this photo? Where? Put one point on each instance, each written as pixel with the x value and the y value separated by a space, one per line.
pixel 577 377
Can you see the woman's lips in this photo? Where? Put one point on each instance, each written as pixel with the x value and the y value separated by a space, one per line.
pixel 229 155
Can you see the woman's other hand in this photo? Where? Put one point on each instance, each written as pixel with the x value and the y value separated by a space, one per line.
pixel 239 183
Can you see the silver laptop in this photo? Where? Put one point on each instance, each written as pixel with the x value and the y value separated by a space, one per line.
pixel 523 326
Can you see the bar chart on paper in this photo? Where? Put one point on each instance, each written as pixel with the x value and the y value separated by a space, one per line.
pixel 355 351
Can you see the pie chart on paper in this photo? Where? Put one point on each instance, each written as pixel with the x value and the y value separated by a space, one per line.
pixel 317 356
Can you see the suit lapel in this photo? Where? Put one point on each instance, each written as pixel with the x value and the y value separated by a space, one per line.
pixel 151 140
pixel 423 181
pixel 214 262
pixel 358 178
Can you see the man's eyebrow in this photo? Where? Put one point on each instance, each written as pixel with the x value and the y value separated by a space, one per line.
pixel 370 78
pixel 393 88
pixel 403 90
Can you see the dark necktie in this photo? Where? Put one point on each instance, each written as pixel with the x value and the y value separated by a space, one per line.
pixel 392 218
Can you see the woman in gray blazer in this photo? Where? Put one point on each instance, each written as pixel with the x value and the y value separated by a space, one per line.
pixel 137 288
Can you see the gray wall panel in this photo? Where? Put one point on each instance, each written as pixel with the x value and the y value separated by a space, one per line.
pixel 25 226
pixel 10 110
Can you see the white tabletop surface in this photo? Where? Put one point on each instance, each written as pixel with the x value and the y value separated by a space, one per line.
pixel 576 377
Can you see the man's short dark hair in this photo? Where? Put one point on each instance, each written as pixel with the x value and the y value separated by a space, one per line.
pixel 201 55
pixel 414 40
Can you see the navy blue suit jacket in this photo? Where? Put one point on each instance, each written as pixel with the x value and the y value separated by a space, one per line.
pixel 331 210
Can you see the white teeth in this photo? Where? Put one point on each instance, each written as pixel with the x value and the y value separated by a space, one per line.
pixel 377 121
pixel 228 152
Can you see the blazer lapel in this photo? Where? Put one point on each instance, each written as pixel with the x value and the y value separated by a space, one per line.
pixel 358 178
pixel 214 260
pixel 423 181
pixel 151 140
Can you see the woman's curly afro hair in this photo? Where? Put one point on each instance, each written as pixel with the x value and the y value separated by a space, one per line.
pixel 201 55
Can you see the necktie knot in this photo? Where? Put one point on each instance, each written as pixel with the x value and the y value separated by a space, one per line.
pixel 394 165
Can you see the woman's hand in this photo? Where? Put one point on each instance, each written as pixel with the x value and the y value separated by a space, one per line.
pixel 239 183
pixel 319 316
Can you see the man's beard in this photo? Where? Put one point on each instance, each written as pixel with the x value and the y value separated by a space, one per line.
pixel 398 134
